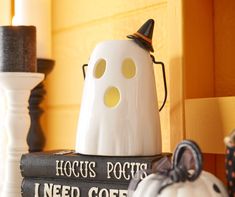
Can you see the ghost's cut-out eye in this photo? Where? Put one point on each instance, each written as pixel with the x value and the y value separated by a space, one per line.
pixel 128 68
pixel 99 68
pixel 216 188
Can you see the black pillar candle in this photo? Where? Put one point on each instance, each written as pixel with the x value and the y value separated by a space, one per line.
pixel 18 49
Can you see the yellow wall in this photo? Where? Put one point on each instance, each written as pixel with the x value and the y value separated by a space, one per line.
pixel 224 31
pixel 209 45
pixel 198 48
pixel 5 12
pixel 78 25
pixel 209 67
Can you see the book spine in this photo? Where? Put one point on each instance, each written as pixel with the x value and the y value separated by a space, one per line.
pixel 33 187
pixel 116 169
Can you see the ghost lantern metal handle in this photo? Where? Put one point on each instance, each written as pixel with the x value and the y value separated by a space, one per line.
pixel 84 70
pixel 155 62
pixel 164 80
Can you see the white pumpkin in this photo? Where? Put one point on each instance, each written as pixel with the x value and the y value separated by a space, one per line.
pixel 181 178
pixel 206 185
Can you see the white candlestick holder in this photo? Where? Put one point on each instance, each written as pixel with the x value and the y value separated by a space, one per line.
pixel 17 87
pixel 3 139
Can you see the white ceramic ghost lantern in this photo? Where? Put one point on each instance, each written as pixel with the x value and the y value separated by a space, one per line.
pixel 119 110
pixel 128 123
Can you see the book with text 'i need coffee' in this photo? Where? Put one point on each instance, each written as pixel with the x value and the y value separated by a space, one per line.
pixel 49 187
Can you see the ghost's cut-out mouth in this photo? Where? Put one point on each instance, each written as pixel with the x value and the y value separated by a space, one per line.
pixel 112 97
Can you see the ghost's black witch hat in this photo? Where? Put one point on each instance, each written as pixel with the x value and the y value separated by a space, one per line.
pixel 143 36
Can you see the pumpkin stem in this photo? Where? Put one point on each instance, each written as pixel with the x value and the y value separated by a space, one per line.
pixel 186 155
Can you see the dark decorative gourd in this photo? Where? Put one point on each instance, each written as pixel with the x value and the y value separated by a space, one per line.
pixel 230 162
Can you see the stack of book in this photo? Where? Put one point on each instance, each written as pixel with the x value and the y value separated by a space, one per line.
pixel 67 174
